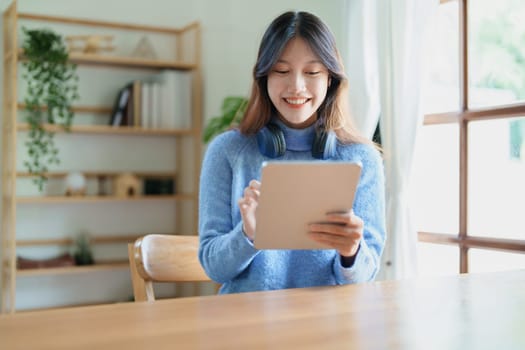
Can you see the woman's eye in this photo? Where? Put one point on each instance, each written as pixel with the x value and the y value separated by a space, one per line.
pixel 279 71
pixel 313 73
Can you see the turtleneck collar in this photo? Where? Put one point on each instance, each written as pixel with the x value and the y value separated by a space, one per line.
pixel 297 139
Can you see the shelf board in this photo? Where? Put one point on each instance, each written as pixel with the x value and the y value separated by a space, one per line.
pixel 77 109
pixel 120 61
pixel 109 239
pixel 102 266
pixel 111 130
pixel 91 174
pixel 133 62
pixel 96 199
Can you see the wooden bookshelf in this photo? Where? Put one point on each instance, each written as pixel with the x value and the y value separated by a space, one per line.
pixel 186 153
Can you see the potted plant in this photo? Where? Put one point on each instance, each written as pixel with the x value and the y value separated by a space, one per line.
pixel 83 253
pixel 52 86
pixel 232 111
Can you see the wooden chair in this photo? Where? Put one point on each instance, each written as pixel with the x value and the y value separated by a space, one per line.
pixel 163 258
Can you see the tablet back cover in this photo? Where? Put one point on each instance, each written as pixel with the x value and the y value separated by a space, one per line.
pixel 294 194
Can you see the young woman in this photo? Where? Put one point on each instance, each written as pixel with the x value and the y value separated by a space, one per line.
pixel 296 111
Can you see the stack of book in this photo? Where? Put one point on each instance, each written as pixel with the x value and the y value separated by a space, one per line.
pixel 162 101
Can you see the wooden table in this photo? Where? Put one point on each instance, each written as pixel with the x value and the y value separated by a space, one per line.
pixel 477 311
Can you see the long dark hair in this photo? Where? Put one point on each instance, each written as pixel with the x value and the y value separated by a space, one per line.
pixel 333 113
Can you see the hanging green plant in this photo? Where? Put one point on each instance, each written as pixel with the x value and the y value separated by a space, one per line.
pixel 52 86
pixel 232 111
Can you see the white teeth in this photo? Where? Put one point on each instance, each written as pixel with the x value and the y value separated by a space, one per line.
pixel 296 101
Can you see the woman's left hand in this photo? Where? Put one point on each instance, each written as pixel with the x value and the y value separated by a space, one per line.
pixel 341 231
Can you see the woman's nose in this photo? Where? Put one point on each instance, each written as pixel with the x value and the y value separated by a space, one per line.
pixel 296 83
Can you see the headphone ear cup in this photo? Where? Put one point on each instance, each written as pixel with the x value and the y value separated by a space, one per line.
pixel 324 144
pixel 270 141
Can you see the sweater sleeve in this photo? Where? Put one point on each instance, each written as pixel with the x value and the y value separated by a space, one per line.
pixel 224 250
pixel 369 205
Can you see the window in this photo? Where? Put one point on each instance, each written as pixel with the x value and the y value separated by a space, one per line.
pixel 469 169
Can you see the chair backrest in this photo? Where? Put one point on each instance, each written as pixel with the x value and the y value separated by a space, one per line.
pixel 163 258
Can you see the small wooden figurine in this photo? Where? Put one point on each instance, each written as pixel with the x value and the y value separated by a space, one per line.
pixel 126 185
pixel 90 43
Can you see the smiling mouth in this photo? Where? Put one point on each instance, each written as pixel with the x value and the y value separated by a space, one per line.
pixel 296 101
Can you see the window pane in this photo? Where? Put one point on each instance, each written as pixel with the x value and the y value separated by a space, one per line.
pixel 496 52
pixel 437 259
pixel 482 260
pixel 435 179
pixel 440 86
pixel 497 178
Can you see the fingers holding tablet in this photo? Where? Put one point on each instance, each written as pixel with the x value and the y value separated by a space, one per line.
pixel 342 231
pixel 247 205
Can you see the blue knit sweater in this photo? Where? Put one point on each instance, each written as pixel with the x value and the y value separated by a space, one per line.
pixel 229 258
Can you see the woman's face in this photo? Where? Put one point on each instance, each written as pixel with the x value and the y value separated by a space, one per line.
pixel 297 84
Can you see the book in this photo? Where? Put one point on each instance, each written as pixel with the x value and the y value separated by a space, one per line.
pixel 118 113
pixel 176 98
pixel 145 105
pixel 137 102
pixel 162 101
pixel 127 110
pixel 156 101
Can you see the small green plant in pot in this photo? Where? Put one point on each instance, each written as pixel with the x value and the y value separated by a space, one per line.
pixel 232 111
pixel 83 254
pixel 52 86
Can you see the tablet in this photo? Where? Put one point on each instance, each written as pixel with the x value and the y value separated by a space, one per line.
pixel 294 194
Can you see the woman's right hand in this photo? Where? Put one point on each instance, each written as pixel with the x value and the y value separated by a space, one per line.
pixel 247 205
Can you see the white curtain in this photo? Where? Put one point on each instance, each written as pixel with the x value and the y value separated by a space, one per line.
pixel 392 30
pixel 362 64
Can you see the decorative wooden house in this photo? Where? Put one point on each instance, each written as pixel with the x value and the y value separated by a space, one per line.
pixel 127 185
